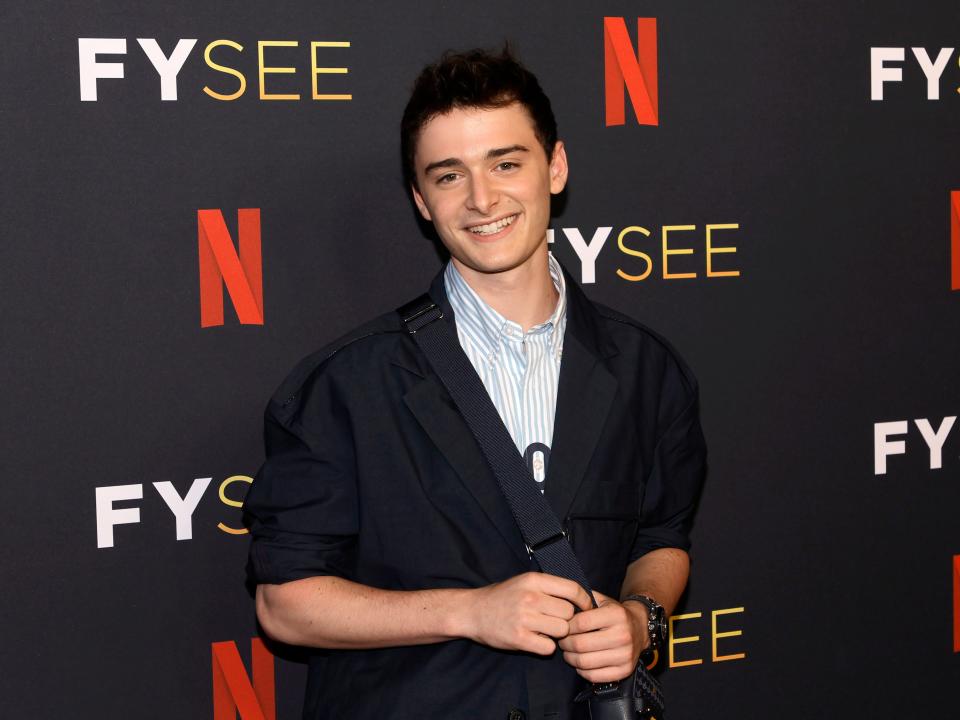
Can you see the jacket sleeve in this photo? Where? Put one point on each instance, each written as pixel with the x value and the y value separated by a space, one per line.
pixel 302 508
pixel 676 477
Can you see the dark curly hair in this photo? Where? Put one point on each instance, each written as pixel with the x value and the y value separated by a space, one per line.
pixel 473 79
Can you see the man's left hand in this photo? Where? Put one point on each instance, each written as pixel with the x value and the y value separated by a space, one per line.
pixel 604 643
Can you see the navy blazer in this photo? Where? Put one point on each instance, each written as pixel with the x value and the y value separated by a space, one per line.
pixel 371 474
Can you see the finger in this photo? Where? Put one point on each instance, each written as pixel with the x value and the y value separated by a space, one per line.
pixel 607 674
pixel 598 618
pixel 599 640
pixel 556 607
pixel 601 598
pixel 547 625
pixel 536 643
pixel 583 600
pixel 566 589
pixel 534 600
pixel 599 660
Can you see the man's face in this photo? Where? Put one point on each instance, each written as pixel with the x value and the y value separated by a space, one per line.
pixel 485 184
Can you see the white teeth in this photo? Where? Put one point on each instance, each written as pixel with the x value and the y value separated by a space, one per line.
pixel 493 227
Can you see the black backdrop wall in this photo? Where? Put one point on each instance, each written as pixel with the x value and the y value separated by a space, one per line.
pixel 826 550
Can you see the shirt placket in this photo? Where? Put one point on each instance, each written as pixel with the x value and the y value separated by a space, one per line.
pixel 533 406
pixel 516 370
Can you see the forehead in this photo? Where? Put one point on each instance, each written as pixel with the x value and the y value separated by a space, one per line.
pixel 468 133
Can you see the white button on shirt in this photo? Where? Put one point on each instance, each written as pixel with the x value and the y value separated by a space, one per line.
pixel 520 370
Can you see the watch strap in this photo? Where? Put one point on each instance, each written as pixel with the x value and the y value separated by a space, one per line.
pixel 655 622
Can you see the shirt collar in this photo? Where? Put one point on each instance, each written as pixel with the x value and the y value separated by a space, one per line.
pixel 485 326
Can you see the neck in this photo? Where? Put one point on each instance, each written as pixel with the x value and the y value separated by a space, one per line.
pixel 524 295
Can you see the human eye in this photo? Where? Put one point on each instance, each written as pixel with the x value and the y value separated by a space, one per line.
pixel 446 178
pixel 507 165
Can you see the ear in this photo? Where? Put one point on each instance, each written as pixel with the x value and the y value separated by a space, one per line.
pixel 558 168
pixel 421 205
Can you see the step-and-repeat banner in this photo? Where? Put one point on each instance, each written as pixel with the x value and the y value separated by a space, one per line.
pixel 197 195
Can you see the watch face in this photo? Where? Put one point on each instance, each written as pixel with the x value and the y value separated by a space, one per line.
pixel 656 620
pixel 658 626
pixel 661 627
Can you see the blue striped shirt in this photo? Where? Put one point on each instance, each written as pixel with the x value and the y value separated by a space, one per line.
pixel 520 370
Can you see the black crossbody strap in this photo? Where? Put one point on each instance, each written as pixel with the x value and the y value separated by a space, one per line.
pixel 541 530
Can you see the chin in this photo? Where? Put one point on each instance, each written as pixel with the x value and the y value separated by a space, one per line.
pixel 503 261
pixel 492 266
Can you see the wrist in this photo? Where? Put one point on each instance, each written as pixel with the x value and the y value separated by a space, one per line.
pixel 637 609
pixel 459 617
pixel 652 616
pixel 640 616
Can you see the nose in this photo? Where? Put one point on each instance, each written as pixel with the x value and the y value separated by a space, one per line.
pixel 483 195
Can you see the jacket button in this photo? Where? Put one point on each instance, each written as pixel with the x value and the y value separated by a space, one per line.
pixel 516 715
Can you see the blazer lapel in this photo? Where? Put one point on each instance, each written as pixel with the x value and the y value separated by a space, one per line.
pixel 584 398
pixel 434 409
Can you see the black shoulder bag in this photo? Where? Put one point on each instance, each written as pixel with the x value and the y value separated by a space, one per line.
pixel 638 696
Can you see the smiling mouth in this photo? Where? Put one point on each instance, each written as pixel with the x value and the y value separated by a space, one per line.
pixel 494 227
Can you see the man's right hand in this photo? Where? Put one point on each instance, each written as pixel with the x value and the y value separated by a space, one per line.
pixel 528 612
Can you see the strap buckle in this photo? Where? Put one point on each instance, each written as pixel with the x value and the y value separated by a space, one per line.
pixel 562 535
pixel 420 313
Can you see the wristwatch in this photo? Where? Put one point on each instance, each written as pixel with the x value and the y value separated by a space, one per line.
pixel 656 620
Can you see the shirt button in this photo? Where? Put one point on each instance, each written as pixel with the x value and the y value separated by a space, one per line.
pixel 516 715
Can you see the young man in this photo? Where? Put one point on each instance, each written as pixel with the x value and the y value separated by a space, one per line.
pixel 379 533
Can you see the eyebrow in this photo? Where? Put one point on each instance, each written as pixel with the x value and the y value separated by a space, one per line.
pixel 491 154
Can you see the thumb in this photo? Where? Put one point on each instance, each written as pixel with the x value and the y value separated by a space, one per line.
pixel 601 598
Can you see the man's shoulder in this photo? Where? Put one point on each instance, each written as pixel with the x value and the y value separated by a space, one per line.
pixel 626 328
pixel 637 341
pixel 345 360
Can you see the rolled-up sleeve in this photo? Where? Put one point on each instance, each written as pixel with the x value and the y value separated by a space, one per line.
pixel 674 482
pixel 302 507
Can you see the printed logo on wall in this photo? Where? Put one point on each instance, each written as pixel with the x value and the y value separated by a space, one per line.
pixel 233 690
pixel 630 242
pixel 885 68
pixel 220 265
pixel 955 240
pixel 635 71
pixel 168 67
pixel 182 507
pixel 690 657
pixel 884 447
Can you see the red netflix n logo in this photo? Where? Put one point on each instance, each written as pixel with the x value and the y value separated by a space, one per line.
pixel 956 603
pixel 637 71
pixel 955 240
pixel 220 265
pixel 232 689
